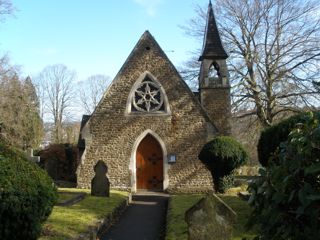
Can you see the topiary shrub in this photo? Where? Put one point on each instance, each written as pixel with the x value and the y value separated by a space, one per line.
pixel 27 196
pixel 221 156
pixel 271 137
pixel 286 198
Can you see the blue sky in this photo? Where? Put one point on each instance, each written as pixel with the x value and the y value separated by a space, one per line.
pixel 93 37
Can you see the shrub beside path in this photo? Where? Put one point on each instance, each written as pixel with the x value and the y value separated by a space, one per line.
pixel 144 219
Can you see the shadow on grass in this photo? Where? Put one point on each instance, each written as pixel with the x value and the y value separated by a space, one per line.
pixel 177 228
pixel 69 198
pixel 179 204
pixel 243 211
pixel 69 222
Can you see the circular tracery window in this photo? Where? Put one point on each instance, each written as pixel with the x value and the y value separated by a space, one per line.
pixel 148 97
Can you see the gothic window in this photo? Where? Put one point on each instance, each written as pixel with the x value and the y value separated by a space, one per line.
pixel 147 96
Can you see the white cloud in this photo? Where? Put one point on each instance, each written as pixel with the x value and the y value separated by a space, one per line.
pixel 150 6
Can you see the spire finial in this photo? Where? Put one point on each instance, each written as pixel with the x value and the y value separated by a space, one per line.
pixel 212 46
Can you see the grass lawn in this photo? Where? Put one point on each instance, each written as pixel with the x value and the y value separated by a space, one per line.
pixel 179 204
pixel 65 197
pixel 69 222
pixel 176 225
pixel 243 211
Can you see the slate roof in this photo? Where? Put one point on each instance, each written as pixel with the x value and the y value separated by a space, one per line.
pixel 81 141
pixel 212 46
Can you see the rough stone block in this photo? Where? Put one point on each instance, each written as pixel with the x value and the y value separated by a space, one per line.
pixel 210 218
pixel 110 134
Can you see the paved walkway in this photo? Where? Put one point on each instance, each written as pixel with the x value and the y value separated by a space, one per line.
pixel 144 219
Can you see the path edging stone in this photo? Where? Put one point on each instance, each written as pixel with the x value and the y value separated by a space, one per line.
pixel 77 198
pixel 95 232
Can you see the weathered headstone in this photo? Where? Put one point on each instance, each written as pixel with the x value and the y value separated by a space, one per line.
pixel 100 185
pixel 210 218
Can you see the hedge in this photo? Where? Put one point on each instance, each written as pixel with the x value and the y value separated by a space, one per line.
pixel 286 197
pixel 272 137
pixel 27 196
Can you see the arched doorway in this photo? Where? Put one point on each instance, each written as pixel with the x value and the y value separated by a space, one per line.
pixel 149 164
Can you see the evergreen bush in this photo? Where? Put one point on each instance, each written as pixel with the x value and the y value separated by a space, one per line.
pixel 27 196
pixel 286 198
pixel 271 138
pixel 221 156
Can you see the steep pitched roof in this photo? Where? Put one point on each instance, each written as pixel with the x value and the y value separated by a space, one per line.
pixel 212 46
pixel 147 42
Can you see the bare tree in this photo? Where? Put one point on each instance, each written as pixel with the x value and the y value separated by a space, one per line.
pixel 91 91
pixel 57 87
pixel 40 90
pixel 274 53
pixel 6 69
pixel 6 8
pixel 72 130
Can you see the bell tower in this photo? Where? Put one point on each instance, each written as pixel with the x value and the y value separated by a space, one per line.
pixel 214 86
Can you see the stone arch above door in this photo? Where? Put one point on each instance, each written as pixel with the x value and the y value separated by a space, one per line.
pixel 149 164
pixel 133 161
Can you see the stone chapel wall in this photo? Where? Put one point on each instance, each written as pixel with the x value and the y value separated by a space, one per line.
pixel 113 133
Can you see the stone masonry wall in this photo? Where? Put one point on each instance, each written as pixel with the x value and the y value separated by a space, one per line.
pixel 113 133
pixel 217 103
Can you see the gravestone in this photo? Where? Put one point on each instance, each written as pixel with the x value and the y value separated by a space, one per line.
pixel 210 218
pixel 31 157
pixel 100 185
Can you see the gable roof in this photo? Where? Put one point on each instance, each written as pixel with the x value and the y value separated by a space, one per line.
pixel 145 43
pixel 212 46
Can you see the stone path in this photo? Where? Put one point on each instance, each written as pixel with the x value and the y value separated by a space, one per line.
pixel 144 219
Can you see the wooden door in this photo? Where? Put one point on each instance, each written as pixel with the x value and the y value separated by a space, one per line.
pixel 149 163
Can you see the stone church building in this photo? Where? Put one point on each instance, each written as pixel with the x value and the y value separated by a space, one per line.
pixel 149 127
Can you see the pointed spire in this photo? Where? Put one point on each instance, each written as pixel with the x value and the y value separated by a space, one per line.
pixel 212 46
